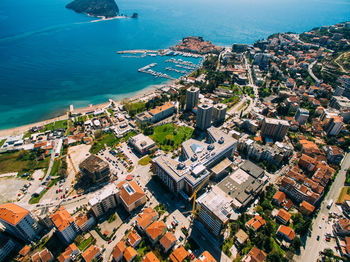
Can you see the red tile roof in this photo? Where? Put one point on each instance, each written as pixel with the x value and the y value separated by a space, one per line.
pixel 150 257
pixel 62 219
pixel 12 213
pixel 167 240
pixel 284 215
pixel 179 254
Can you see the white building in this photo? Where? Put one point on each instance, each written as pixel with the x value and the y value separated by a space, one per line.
pixel 142 143
pixel 204 116
pixel 105 199
pixel 19 222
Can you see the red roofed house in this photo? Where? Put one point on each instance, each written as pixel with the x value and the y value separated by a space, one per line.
pixel 118 251
pixel 179 254
pixel 19 222
pixel 306 208
pixel 91 253
pixel 146 218
pixel 150 257
pixel 168 241
pixel 255 223
pixel 286 232
pixel 283 216
pixel 155 231
pixel 24 251
pixel 255 255
pixel 130 254
pixel 205 257
pixel 131 195
pixel 65 225
pixel 342 227
pixel 279 197
pixel 69 254
pixel 43 256
pixel 134 239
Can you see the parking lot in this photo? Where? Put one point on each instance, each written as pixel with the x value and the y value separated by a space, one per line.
pixel 178 221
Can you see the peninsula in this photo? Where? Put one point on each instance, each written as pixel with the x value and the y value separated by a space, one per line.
pixel 96 8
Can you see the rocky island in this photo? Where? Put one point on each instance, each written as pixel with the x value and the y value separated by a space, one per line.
pixel 97 8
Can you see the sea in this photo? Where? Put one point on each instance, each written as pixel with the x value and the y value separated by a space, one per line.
pixel 52 57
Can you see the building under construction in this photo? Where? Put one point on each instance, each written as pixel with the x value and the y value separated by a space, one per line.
pixel 95 169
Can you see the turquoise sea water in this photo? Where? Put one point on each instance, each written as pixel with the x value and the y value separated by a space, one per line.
pixel 51 57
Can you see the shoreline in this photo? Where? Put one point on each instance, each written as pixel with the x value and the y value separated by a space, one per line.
pixel 129 97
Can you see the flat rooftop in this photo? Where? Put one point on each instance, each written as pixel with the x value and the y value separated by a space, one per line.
pixel 141 141
pixel 275 121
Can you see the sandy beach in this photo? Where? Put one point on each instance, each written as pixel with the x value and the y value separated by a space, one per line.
pixel 129 97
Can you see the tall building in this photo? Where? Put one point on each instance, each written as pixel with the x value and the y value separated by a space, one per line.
pixel 65 225
pixel 204 116
pixel 7 245
pixel 219 112
pixel 301 116
pixel 274 128
pixel 333 126
pixel 104 200
pixel 19 222
pixel 233 193
pixel 192 95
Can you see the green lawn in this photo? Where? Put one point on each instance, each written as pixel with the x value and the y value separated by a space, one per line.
pixel 110 140
pixel 145 161
pixel 54 126
pixel 135 108
pixel 107 138
pixel 2 142
pixel 21 161
pixel 55 167
pixel 84 244
pixel 169 136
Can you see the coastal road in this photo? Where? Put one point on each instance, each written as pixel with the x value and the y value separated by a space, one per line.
pixel 309 69
pixel 320 224
pixel 251 84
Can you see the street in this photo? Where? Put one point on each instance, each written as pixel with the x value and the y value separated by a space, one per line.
pixel 320 225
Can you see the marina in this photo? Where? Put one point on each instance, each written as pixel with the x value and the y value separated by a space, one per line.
pixel 181 62
pixel 176 70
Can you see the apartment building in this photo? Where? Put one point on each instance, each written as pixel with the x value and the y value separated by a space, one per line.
pixel 64 223
pixel 219 113
pixel 274 128
pixel 19 222
pixel 104 200
pixel 233 193
pixel 301 116
pixel 192 96
pixel 7 245
pixel 204 116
